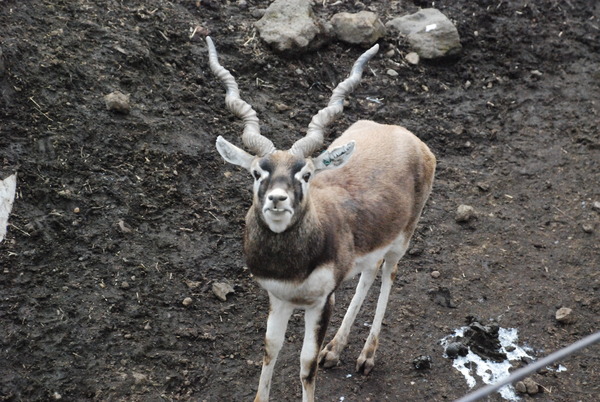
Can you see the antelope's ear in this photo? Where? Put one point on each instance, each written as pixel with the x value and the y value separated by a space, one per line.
pixel 334 158
pixel 233 154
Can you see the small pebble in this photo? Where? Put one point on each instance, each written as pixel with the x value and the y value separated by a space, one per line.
pixel 422 362
pixel 193 284
pixel 483 186
pixel 527 386
pixel 282 107
pixel 412 58
pixel 117 102
pixel 139 378
pixel 465 213
pixel 455 349
pixel 596 206
pixel 564 315
pixel 221 290
pixel 187 301
pixel 435 274
pixel 76 210
pixel 125 285
pixel 392 73
pixel 587 228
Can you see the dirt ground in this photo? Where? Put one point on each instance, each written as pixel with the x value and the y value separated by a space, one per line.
pixel 120 217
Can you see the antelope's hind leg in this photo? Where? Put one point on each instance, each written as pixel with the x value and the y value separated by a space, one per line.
pixel 330 355
pixel 366 359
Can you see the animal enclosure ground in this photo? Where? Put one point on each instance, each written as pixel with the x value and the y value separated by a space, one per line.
pixel 119 218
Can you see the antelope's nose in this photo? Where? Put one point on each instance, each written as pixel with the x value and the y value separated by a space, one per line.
pixel 277 198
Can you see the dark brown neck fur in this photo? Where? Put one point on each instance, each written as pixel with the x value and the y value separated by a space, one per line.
pixel 291 255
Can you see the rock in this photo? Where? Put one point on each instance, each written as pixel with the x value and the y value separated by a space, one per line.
pixel 193 284
pixel 282 107
pixel 429 32
pixel 527 386
pixel 139 378
pixel 117 102
pixel 363 28
pixel 588 228
pixel 596 206
pixel 485 187
pixel 422 362
pixel 290 25
pixel 221 290
pixel 465 213
pixel 125 228
pixel 455 349
pixel 392 73
pixel 435 274
pixel 483 341
pixel 564 315
pixel 125 285
pixel 412 58
pixel 187 301
pixel 258 12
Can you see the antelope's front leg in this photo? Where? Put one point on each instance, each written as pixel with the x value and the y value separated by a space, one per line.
pixel 279 315
pixel 316 320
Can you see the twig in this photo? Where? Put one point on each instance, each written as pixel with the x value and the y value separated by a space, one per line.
pixel 39 108
pixel 20 230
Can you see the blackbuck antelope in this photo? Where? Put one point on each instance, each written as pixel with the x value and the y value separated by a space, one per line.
pixel 317 221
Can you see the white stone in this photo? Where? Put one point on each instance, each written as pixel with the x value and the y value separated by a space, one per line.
pixel 564 315
pixel 221 290
pixel 363 28
pixel 465 213
pixel 429 32
pixel 412 58
pixel 117 102
pixel 290 25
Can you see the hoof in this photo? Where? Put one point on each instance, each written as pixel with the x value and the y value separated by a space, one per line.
pixel 365 365
pixel 329 357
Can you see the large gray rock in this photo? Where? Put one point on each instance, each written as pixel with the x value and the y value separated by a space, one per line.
pixel 429 32
pixel 363 28
pixel 290 25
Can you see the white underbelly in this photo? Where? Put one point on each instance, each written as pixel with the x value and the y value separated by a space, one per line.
pixel 313 290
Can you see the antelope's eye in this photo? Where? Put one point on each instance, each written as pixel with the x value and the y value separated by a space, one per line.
pixel 256 174
pixel 306 177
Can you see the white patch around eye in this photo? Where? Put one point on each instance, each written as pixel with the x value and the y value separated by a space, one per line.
pixel 300 176
pixel 262 175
